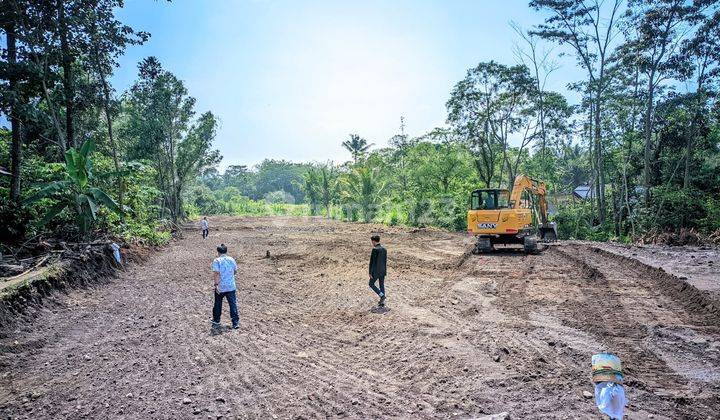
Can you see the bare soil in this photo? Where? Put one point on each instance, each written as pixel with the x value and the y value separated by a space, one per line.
pixel 463 336
pixel 698 265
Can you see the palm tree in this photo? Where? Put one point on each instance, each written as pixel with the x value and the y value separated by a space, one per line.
pixel 363 190
pixel 357 146
pixel 321 187
pixel 310 183
pixel 327 186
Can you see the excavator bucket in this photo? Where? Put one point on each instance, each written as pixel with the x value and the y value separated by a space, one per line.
pixel 548 232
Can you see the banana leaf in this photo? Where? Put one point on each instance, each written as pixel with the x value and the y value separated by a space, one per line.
pixel 53 212
pixel 48 191
pixel 102 197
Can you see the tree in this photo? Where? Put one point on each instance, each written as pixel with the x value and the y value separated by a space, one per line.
pixel 489 106
pixel 8 16
pixel 158 114
pixel 357 146
pixel 327 186
pixel 320 186
pixel 588 27
pixel 703 50
pixel 240 177
pixel 435 168
pixel 195 153
pixel 107 40
pixel 280 175
pixel 659 34
pixel 363 190
pixel 310 184
pixel 541 64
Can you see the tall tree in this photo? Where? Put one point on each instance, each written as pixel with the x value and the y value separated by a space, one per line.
pixel 363 191
pixel 194 154
pixel 158 118
pixel 8 16
pixel 65 11
pixel 107 39
pixel 310 184
pixel 659 26
pixel 357 146
pixel 489 106
pixel 540 63
pixel 588 27
pixel 327 186
pixel 703 54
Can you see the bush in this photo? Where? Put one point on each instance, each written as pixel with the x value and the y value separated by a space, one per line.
pixel 15 221
pixel 279 197
pixel 672 207
pixel 574 221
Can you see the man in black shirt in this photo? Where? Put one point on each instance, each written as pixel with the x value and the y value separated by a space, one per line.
pixel 378 269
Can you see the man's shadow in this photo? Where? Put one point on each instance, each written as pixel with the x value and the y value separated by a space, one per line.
pixel 218 330
pixel 380 310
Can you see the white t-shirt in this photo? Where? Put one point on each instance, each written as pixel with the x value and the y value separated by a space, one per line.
pixel 204 224
pixel 226 266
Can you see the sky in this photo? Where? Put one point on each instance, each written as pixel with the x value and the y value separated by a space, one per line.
pixel 292 79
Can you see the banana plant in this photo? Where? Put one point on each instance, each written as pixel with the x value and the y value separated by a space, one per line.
pixel 75 192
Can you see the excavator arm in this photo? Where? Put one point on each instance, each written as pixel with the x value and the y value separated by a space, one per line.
pixel 548 230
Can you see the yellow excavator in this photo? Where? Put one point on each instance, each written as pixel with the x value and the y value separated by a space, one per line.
pixel 519 216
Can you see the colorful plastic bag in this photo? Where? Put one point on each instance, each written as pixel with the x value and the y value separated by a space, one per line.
pixel 606 367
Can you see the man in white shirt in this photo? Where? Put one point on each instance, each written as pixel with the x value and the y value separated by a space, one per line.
pixel 205 226
pixel 224 269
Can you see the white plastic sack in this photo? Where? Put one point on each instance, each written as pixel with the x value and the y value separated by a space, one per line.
pixel 610 399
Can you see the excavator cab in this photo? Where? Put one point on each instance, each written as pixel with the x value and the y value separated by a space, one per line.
pixel 489 199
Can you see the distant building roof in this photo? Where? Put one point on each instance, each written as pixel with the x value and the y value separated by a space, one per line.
pixel 584 192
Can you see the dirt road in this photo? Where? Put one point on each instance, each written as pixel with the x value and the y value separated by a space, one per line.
pixel 463 336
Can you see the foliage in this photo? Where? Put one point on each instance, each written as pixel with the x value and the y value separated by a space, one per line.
pixel 75 192
pixel 363 192
pixel 159 128
pixel 644 135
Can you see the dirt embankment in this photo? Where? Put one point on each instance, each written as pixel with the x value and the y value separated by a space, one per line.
pixel 462 336
pixel 699 266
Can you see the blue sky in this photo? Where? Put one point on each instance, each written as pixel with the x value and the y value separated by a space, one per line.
pixel 291 79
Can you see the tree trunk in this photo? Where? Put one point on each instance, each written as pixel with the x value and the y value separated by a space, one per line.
pixel 688 155
pixel 693 132
pixel 600 161
pixel 648 136
pixel 111 139
pixel 67 62
pixel 15 124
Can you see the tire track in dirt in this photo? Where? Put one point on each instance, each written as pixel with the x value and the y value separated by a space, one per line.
pixel 630 310
pixel 463 335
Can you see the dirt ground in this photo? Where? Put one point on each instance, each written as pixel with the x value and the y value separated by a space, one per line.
pixel 699 265
pixel 463 336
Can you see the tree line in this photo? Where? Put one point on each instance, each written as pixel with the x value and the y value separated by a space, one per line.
pixel 642 141
pixel 80 157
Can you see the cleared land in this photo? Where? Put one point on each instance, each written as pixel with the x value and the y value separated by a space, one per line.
pixel 463 335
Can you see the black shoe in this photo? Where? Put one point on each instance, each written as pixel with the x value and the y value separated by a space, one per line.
pixel 236 327
pixel 382 301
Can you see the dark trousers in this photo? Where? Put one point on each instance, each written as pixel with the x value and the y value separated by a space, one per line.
pixel 232 301
pixel 206 232
pixel 381 291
